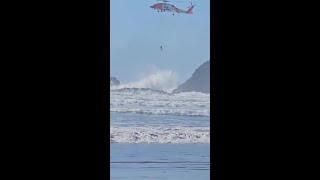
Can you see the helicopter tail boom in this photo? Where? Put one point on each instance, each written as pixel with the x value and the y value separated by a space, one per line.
pixel 189 11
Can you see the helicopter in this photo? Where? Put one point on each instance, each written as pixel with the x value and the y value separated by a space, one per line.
pixel 163 7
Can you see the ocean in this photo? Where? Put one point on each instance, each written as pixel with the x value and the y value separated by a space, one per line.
pixel 157 135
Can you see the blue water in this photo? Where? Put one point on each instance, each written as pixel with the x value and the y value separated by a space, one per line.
pixel 159 136
pixel 158 158
pixel 160 161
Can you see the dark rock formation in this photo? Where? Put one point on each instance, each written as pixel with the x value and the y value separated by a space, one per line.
pixel 199 81
pixel 114 81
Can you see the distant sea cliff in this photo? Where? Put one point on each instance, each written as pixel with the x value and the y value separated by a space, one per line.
pixel 114 81
pixel 198 82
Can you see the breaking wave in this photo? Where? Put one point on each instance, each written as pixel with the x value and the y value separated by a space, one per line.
pixel 146 112
pixel 159 135
pixel 163 80
pixel 148 101
pixel 136 90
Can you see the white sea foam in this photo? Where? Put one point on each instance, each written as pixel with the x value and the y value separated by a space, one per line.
pixel 164 80
pixel 147 101
pixel 146 112
pixel 159 135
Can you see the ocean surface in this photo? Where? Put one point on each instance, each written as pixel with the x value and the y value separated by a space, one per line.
pixel 156 135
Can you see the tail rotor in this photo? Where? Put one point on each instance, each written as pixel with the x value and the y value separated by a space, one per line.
pixel 191 5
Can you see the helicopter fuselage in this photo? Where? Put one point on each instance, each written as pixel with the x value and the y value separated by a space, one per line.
pixel 163 7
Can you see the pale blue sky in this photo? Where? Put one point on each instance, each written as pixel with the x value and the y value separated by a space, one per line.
pixel 137 32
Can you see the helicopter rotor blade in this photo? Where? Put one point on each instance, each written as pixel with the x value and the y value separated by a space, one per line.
pixel 172 1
